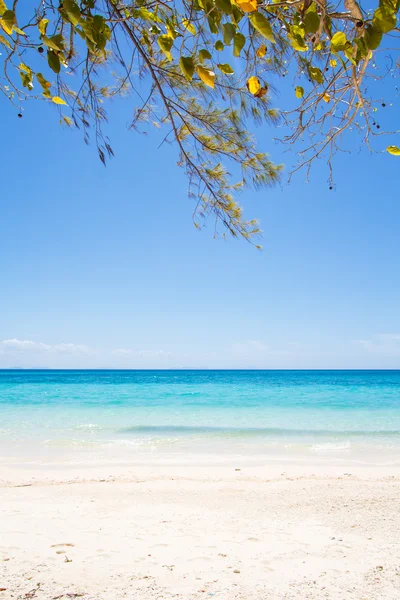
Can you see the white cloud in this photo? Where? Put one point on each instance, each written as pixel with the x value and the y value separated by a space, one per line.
pixel 28 346
pixel 23 345
pixel 122 352
pixel 31 353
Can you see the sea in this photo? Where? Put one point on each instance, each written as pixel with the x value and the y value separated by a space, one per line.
pixel 168 416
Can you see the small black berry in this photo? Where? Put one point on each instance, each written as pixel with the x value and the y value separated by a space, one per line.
pixel 19 115
pixel 330 187
pixel 41 49
pixel 359 23
pixel 378 126
pixel 383 104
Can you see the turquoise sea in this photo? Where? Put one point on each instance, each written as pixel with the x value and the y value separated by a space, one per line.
pixel 133 416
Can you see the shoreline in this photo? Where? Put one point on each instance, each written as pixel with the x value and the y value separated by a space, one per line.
pixel 234 469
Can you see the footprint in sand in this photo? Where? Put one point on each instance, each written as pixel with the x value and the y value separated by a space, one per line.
pixel 62 545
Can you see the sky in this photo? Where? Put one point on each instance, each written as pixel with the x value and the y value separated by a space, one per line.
pixel 103 268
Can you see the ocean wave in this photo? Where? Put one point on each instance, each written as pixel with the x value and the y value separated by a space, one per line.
pixel 252 431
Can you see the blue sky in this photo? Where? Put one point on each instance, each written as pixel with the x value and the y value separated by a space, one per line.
pixel 104 268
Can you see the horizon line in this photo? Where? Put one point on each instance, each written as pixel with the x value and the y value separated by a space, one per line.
pixel 192 369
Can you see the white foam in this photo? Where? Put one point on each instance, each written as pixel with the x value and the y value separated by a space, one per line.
pixel 330 447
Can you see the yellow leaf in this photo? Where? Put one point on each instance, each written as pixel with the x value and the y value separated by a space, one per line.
pixel 333 62
pixel 326 97
pixel 189 26
pixel 247 5
pixel 68 121
pixel 58 100
pixel 261 52
pixel 3 7
pixel 7 25
pixel 4 41
pixel 43 26
pixel 207 76
pixel 253 85
pixel 23 67
pixel 299 91
pixel 393 150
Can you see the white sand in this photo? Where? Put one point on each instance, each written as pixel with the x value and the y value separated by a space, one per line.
pixel 195 532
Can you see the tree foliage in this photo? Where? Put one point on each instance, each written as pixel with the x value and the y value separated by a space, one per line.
pixel 205 70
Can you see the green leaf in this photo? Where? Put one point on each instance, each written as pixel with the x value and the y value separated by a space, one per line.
pixel 3 7
pixel 54 61
pixel 56 42
pixel 316 74
pixel 237 15
pixel 238 43
pixel 229 32
pixel 338 41
pixel 219 46
pixel 299 91
pixel 213 21
pixel 384 19
pixel 362 48
pixel 390 4
pixel 58 100
pixel 101 32
pixel 8 21
pixel 298 30
pixel 373 37
pixel 224 5
pixel 349 52
pixel 43 26
pixel 204 55
pixel 393 150
pixel 43 82
pixel 187 67
pixel 225 68
pixel 26 79
pixel 298 43
pixel 4 41
pixel 72 11
pixel 165 43
pixel 311 20
pixel 205 5
pixel 262 25
pixel 147 15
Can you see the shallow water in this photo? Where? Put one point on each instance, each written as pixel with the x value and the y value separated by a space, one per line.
pixel 128 415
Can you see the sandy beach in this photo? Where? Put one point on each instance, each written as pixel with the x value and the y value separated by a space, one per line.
pixel 159 532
